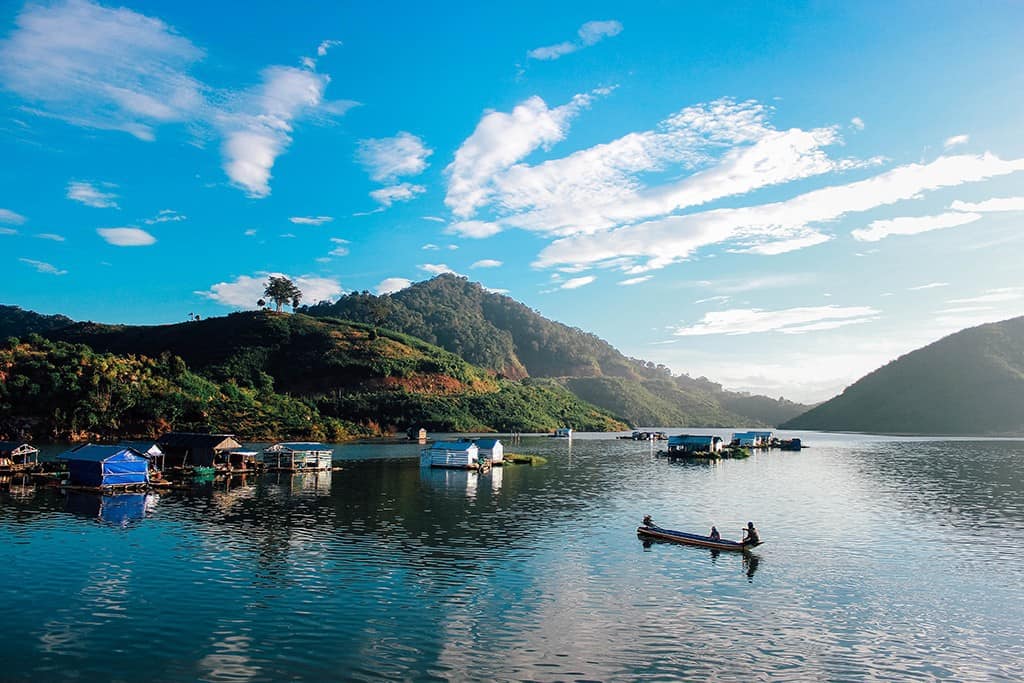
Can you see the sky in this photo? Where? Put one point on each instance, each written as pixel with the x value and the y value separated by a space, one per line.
pixel 780 197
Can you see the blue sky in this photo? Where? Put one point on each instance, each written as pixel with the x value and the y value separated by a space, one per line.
pixel 781 198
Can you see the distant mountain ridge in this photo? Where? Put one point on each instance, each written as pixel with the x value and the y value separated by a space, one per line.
pixel 970 383
pixel 499 333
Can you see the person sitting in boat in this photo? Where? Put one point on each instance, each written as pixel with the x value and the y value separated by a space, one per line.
pixel 648 521
pixel 750 535
pixel 714 535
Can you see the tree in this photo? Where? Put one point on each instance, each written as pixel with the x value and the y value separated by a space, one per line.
pixel 282 291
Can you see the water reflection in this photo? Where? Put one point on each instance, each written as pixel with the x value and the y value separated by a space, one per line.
pixel 116 509
pixel 462 482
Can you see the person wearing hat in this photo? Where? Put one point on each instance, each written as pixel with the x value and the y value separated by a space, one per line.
pixel 751 537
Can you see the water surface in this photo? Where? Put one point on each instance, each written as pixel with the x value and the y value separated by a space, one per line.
pixel 889 558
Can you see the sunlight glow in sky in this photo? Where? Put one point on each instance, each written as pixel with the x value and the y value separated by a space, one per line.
pixel 779 197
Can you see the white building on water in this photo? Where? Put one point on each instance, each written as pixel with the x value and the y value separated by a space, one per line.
pixel 453 454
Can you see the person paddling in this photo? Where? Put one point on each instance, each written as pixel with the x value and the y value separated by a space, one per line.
pixel 715 536
pixel 751 537
pixel 648 521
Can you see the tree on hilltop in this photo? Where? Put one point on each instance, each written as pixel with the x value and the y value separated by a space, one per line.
pixel 282 291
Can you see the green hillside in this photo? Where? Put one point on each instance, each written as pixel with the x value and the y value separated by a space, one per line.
pixel 351 377
pixel 496 332
pixel 971 382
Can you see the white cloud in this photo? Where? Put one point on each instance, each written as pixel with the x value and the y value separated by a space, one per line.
pixel 8 231
pixel 788 321
pixel 474 229
pixel 259 128
pixel 246 290
pixel 577 282
pixel 387 159
pixel 249 233
pixel 720 299
pixel 324 46
pixel 992 296
pixel 106 68
pixel 990 205
pixel 487 263
pixel 115 69
pixel 912 225
pixel 930 285
pixel 956 140
pixel 674 238
pixel 500 140
pixel 635 280
pixel 287 235
pixel 402 192
pixel 311 220
pixel 391 285
pixel 434 219
pixel 430 247
pixel 340 249
pixel 857 122
pixel 126 237
pixel 11 218
pixel 43 267
pixel 436 268
pixel 165 216
pixel 589 34
pixel 50 236
pixel 90 195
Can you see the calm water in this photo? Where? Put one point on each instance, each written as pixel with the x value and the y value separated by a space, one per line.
pixel 884 559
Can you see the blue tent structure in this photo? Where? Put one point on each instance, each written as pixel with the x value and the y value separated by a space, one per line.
pixel 101 466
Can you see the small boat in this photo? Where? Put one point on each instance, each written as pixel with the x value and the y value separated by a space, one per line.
pixel 656 532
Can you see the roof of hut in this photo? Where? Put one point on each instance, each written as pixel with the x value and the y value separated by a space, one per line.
pixel 217 442
pixel 97 453
pixel 7 447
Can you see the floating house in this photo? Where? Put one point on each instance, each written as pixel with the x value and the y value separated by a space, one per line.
pixel 492 450
pixel 752 439
pixel 563 433
pixel 186 449
pixel 695 443
pixel 17 455
pixel 298 457
pixel 106 466
pixel 417 434
pixel 242 461
pixel 151 451
pixel 463 455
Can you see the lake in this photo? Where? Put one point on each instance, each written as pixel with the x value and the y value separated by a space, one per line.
pixel 884 558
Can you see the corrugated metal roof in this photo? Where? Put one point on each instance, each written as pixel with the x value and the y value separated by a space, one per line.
pixel 453 445
pixel 487 443
pixel 303 446
pixel 193 440
pixel 97 453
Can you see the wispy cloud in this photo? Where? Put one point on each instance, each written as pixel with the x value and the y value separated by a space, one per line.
pixel 387 159
pixel 474 229
pixel 930 285
pixel 391 285
pixel 245 290
pixel 53 237
pixel 857 122
pixel 340 247
pixel 43 266
pixel 956 141
pixel 787 321
pixel 115 69
pixel 311 220
pixel 990 205
pixel 635 280
pixel 434 219
pixel 992 296
pixel 487 263
pixel 90 195
pixel 403 192
pixel 126 237
pixel 589 34
pixel 577 282
pixel 324 46
pixel 10 217
pixel 165 216
pixel 8 231
pixel 912 225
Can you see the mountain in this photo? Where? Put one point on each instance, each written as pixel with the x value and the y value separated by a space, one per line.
pixel 499 333
pixel 971 382
pixel 349 377
pixel 17 322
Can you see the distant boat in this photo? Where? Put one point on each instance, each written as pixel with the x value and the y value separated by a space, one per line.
pixel 660 534
pixel 563 433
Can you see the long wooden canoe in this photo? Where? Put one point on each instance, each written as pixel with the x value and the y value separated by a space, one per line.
pixel 660 534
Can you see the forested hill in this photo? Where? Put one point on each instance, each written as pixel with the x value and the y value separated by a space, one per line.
pixel 497 332
pixel 971 382
pixel 260 375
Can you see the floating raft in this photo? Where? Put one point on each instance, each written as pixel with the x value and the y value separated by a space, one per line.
pixel 660 534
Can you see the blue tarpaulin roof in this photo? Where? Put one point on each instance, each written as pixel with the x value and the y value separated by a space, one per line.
pixel 95 453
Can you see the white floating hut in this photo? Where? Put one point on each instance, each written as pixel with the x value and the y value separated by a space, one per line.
pixel 463 455
pixel 491 449
pixel 298 457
